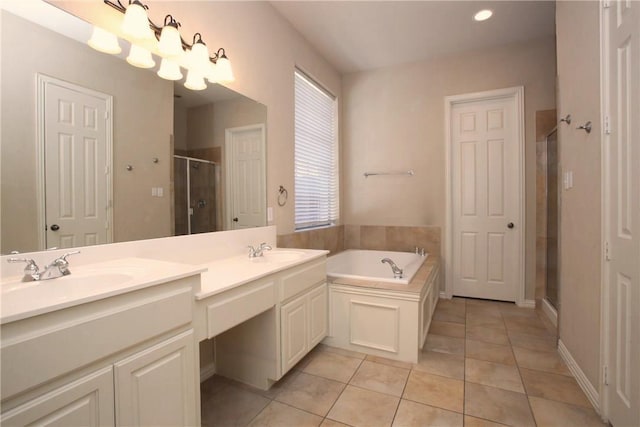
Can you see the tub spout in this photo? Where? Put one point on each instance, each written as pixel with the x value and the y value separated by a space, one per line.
pixel 397 271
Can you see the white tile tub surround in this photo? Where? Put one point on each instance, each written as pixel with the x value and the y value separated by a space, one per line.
pixel 367 265
pixel 194 249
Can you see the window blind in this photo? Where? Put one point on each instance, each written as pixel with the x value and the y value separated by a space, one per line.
pixel 316 165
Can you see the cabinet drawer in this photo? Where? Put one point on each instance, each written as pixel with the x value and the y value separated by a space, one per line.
pixel 234 307
pixel 302 279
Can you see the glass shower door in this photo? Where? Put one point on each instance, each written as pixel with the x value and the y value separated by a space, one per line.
pixel 194 195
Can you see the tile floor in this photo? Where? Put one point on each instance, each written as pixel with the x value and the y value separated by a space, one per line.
pixel 484 363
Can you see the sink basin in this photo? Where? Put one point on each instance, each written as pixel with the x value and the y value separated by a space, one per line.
pixel 282 255
pixel 57 290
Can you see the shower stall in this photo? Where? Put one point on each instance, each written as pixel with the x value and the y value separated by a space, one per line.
pixel 196 206
pixel 553 218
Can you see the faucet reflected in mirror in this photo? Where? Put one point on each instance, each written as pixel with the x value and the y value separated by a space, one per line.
pixel 152 119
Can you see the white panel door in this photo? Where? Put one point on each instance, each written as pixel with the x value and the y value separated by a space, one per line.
pixel 622 193
pixel 87 401
pixel 75 162
pixel 246 187
pixel 157 386
pixel 485 199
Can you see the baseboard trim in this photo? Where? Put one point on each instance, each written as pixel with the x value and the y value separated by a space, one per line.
pixel 527 303
pixel 581 378
pixel 207 371
pixel 443 295
pixel 551 312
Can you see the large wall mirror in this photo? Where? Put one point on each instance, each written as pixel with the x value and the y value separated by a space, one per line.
pixel 96 151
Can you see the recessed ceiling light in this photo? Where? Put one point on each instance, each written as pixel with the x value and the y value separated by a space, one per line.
pixel 483 15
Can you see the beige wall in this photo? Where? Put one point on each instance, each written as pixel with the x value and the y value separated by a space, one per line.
pixel 235 113
pixel 580 210
pixel 200 126
pixel 28 49
pixel 263 49
pixel 179 126
pixel 393 119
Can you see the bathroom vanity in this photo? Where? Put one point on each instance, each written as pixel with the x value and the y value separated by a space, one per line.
pixel 116 342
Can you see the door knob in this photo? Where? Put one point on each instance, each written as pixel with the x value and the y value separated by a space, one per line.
pixel 510 225
pixel 55 227
pixel 235 219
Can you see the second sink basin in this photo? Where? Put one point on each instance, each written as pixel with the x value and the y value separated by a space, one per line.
pixel 278 255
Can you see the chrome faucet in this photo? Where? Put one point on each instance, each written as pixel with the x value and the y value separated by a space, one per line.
pixel 397 271
pixel 257 252
pixel 57 268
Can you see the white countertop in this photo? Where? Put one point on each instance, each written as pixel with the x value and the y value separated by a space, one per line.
pixel 91 282
pixel 228 273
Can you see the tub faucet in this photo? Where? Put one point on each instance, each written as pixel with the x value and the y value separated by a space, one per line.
pixel 257 252
pixel 397 271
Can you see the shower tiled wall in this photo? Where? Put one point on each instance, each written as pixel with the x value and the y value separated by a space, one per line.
pixel 329 238
pixel 545 122
pixel 375 237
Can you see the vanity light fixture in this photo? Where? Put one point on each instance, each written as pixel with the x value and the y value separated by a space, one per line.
pixel 195 81
pixel 199 56
pixel 483 15
pixel 140 57
pixel 139 29
pixel 104 41
pixel 136 21
pixel 222 72
pixel 169 70
pixel 170 43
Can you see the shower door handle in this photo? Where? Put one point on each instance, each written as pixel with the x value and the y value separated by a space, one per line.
pixel 510 225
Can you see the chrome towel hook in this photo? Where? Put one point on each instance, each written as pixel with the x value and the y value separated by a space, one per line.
pixel 566 119
pixel 586 127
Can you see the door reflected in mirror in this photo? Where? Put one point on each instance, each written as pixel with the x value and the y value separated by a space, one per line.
pixel 152 120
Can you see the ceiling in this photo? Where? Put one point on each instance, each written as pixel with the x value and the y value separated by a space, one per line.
pixel 364 35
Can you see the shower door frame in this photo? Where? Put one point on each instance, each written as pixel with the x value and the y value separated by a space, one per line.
pixel 190 159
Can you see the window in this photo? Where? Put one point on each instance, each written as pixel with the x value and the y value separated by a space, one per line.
pixel 316 155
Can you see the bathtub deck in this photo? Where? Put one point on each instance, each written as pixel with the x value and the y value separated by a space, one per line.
pixel 416 286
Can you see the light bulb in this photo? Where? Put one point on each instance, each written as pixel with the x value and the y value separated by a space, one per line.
pixel 195 81
pixel 483 15
pixel 104 41
pixel 169 70
pixel 140 57
pixel 212 75
pixel 199 56
pixel 224 73
pixel 170 44
pixel 136 22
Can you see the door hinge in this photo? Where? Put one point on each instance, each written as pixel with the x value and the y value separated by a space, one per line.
pixel 106 225
pixel 607 255
pixel 606 4
pixel 605 375
pixel 607 126
pixel 106 115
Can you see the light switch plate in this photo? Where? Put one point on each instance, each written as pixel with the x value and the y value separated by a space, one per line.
pixel 568 180
pixel 269 214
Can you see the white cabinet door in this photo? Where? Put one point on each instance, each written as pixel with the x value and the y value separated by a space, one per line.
pixel 87 401
pixel 293 318
pixel 157 386
pixel 318 315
